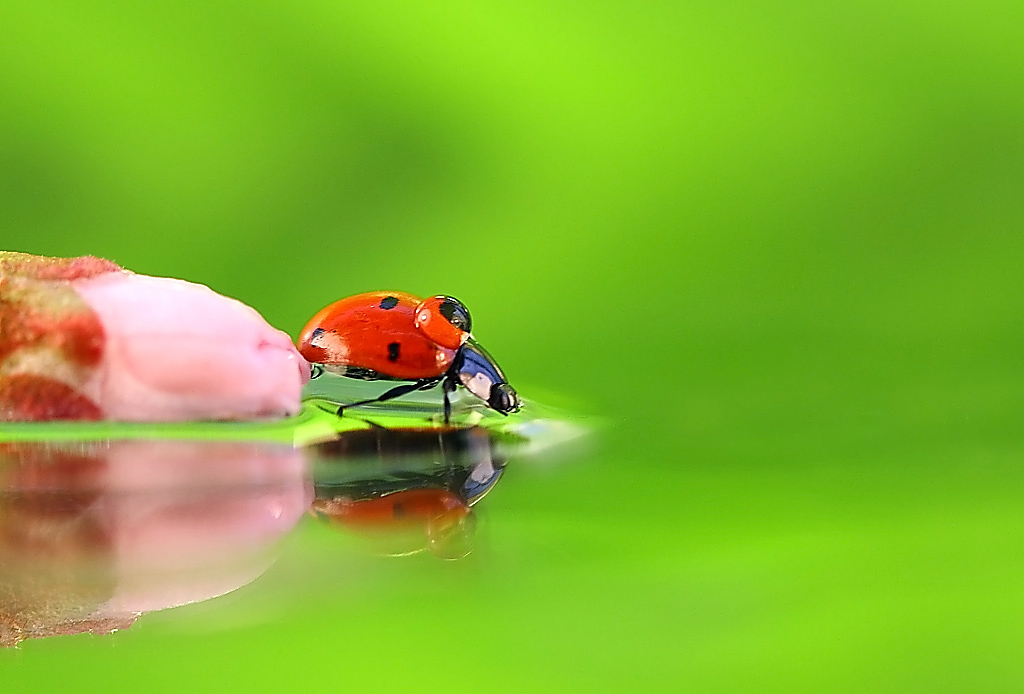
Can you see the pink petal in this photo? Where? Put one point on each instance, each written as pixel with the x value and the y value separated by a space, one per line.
pixel 178 351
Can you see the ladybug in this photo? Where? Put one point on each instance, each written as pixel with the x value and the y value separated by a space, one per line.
pixel 395 336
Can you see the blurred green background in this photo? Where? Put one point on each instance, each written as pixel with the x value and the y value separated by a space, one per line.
pixel 776 247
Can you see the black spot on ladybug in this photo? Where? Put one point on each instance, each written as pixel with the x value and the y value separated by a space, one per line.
pixel 388 303
pixel 456 314
pixel 393 350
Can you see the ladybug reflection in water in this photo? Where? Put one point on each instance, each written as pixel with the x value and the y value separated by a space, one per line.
pixel 395 336
pixel 407 490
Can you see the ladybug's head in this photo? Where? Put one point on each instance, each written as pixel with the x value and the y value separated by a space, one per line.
pixel 444 320
pixel 482 377
pixel 504 398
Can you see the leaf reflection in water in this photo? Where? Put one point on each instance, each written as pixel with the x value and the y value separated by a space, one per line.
pixel 94 534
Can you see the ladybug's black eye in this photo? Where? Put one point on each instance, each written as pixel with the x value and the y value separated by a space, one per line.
pixel 456 314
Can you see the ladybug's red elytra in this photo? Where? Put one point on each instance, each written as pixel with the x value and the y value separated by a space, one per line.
pixel 396 336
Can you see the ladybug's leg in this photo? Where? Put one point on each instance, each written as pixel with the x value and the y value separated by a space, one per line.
pixel 448 386
pixel 396 392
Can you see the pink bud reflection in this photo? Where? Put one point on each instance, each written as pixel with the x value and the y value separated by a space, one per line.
pixel 91 535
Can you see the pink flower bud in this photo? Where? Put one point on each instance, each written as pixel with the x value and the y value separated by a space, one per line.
pixel 81 339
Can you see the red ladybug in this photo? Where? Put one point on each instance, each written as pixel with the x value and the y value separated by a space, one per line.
pixel 396 336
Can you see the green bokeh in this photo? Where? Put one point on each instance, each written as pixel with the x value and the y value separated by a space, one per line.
pixel 776 247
